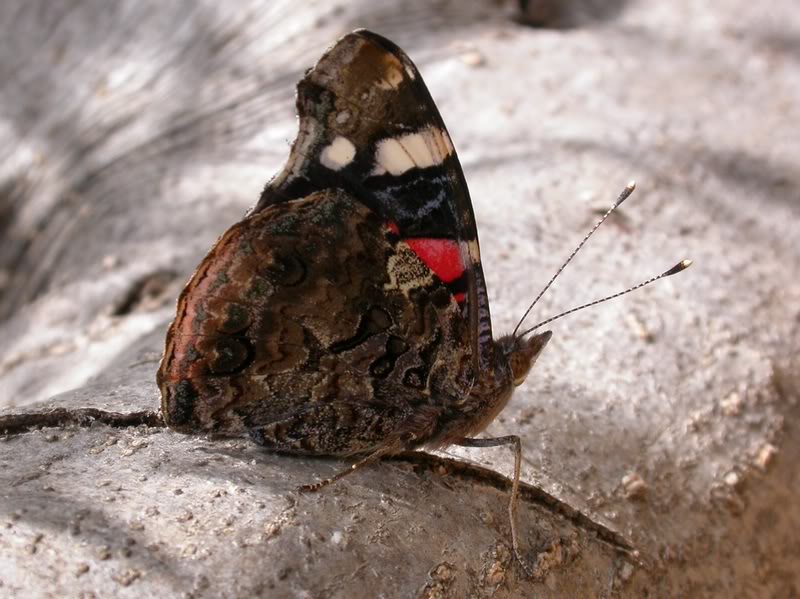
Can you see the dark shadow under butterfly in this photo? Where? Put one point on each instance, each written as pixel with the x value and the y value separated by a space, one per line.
pixel 347 314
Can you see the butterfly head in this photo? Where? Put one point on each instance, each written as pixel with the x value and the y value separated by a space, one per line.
pixel 522 353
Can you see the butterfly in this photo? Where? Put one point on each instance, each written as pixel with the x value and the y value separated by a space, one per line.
pixel 347 313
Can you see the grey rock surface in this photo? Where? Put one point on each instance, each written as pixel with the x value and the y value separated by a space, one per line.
pixel 135 132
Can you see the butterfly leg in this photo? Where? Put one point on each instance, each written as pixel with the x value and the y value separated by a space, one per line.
pixel 516 446
pixel 311 488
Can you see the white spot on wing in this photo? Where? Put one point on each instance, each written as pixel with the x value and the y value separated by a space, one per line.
pixel 391 157
pixel 338 154
pixel 418 147
pixel 393 77
pixel 396 155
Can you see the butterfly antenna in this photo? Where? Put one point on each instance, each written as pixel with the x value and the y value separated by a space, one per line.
pixel 621 198
pixel 679 267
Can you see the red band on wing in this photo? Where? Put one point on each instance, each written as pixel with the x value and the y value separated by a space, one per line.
pixel 442 256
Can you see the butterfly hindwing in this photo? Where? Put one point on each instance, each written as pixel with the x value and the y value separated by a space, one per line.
pixel 369 126
pixel 311 320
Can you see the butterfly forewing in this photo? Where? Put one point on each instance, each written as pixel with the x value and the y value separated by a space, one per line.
pixel 368 125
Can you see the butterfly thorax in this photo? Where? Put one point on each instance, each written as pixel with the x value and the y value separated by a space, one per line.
pixel 513 358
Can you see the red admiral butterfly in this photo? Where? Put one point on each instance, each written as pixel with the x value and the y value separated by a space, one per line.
pixel 347 313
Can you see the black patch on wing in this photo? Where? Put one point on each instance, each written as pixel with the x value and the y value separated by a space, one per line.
pixel 416 200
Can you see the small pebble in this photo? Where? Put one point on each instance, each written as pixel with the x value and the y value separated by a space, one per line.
pixel 184 516
pixel 634 486
pixel 732 405
pixel 473 59
pixel 765 455
pixel 126 577
pixel 731 479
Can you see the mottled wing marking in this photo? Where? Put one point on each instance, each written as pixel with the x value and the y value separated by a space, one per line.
pixel 303 310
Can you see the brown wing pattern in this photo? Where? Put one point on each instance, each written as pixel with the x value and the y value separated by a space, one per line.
pixel 314 311
pixel 368 125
